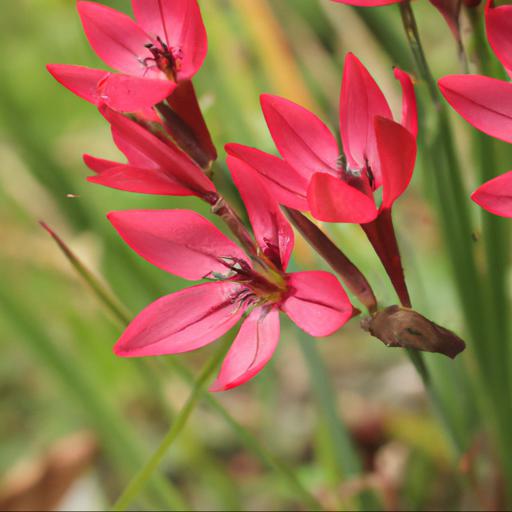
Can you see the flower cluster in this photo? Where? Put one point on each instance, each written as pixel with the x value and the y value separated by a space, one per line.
pixel 156 122
pixel 486 103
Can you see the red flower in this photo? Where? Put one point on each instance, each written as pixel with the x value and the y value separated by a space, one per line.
pixel 495 196
pixel 486 103
pixel 154 166
pixel 377 152
pixel 185 244
pixel 165 46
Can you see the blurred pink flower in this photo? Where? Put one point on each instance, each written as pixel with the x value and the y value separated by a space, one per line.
pixel 166 45
pixel 187 245
pixel 486 103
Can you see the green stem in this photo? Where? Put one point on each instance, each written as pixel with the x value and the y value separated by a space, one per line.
pixel 382 25
pixel 345 456
pixel 496 239
pixel 112 305
pixel 495 229
pixel 413 37
pixel 452 197
pixel 453 203
pixel 252 443
pixel 138 482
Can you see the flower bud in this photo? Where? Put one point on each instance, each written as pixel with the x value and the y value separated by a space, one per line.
pixel 397 326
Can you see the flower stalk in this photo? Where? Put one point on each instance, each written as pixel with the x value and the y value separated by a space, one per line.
pixel 381 234
pixel 139 481
pixel 353 278
pixel 227 213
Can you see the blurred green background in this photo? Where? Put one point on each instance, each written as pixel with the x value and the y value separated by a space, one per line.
pixel 56 337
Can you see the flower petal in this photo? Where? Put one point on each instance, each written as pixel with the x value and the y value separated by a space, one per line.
pixel 397 153
pixel 498 24
pixel 409 106
pixel 287 186
pixel 142 181
pixel 251 351
pixel 167 157
pixel 133 155
pixel 178 241
pixel 272 231
pixel 131 93
pixel 484 102
pixel 318 303
pixel 332 200
pixel 361 100
pixel 184 102
pixel 80 80
pixel 303 140
pixel 182 321
pixel 495 196
pixel 116 38
pixel 98 165
pixel 180 25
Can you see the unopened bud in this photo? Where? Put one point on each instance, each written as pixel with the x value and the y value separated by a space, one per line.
pixel 397 326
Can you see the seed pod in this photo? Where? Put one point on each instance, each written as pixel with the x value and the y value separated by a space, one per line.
pixel 397 326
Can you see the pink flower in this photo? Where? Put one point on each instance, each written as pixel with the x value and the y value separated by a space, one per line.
pixel 154 166
pixel 165 46
pixel 187 245
pixel 377 152
pixel 486 103
pixel 495 196
pixel 312 176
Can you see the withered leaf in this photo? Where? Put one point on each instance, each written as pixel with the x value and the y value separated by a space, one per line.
pixel 397 326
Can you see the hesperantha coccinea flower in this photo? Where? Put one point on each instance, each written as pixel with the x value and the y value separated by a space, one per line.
pixel 377 152
pixel 313 175
pixel 486 103
pixel 166 45
pixel 186 244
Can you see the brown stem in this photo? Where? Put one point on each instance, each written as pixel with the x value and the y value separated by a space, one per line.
pixel 381 234
pixel 353 278
pixel 184 122
pixel 224 210
pixel 183 135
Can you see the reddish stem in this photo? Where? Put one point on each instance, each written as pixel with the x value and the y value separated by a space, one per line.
pixel 185 123
pixel 224 210
pixel 381 234
pixel 351 276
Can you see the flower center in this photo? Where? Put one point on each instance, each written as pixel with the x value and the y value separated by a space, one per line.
pixel 265 284
pixel 361 178
pixel 168 60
